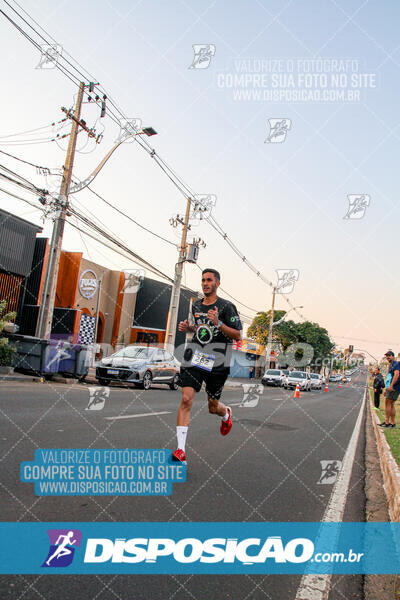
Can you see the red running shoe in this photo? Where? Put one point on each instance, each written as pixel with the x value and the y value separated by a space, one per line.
pixel 179 455
pixel 226 426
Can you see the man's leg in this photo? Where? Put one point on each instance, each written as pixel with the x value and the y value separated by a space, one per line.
pixel 377 399
pixel 183 418
pixel 393 413
pixel 388 409
pixel 216 407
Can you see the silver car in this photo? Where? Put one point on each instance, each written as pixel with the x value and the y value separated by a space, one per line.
pixel 272 377
pixel 316 381
pixel 298 377
pixel 140 365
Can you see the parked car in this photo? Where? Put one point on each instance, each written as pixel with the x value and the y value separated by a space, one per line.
pixel 336 378
pixel 298 377
pixel 272 377
pixel 140 365
pixel 316 381
pixel 346 378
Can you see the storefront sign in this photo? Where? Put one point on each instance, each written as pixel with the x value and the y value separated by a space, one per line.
pixel 88 284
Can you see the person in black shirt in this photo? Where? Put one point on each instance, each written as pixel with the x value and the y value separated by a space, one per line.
pixel 215 324
pixel 379 385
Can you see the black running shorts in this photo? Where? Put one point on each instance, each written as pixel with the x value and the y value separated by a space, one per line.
pixel 194 377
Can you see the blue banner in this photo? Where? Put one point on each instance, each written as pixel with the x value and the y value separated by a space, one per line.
pixel 199 548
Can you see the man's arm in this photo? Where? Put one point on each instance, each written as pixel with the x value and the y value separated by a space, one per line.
pixel 394 379
pixel 230 332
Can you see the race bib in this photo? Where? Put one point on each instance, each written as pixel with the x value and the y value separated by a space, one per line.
pixel 201 360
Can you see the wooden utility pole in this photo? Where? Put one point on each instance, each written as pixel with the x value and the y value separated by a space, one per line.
pixel 176 288
pixel 46 309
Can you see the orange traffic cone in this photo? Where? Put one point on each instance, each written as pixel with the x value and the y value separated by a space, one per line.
pixel 340 385
pixel 326 388
pixel 297 391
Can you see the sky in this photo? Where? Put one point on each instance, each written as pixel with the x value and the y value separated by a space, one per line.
pixel 327 71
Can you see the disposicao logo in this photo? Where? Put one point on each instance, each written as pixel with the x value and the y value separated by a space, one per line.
pixel 190 550
pixel 62 547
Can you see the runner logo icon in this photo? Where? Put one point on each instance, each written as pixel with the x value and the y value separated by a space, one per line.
pixel 204 333
pixel 62 547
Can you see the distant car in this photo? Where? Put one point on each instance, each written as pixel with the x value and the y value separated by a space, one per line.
pixel 346 378
pixel 298 377
pixel 140 365
pixel 316 381
pixel 335 378
pixel 272 377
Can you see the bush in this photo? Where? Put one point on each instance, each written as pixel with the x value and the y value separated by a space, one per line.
pixel 7 352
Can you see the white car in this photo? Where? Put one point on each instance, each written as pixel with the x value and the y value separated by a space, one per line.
pixel 316 381
pixel 298 377
pixel 272 377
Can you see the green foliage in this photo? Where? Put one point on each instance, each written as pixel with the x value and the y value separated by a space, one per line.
pixel 5 318
pixel 7 351
pixel 284 332
pixel 289 332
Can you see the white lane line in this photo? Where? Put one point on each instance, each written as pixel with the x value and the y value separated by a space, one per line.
pixel 152 414
pixel 317 587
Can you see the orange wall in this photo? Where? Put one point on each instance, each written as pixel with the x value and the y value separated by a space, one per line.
pixel 68 278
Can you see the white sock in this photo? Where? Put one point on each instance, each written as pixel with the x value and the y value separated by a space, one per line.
pixel 226 417
pixel 181 433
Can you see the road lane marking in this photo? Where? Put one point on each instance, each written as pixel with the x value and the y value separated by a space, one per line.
pixel 152 414
pixel 317 587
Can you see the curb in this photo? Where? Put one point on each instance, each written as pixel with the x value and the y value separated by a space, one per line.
pixel 389 468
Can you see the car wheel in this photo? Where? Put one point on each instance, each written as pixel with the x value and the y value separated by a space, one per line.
pixel 103 381
pixel 174 385
pixel 146 383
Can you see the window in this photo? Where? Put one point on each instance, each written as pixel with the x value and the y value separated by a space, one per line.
pixel 134 352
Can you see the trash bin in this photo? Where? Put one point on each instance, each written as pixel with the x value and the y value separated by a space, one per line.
pixel 67 358
pixel 31 353
pixel 54 354
pixel 83 361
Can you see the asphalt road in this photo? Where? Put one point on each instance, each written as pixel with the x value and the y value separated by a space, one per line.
pixel 266 469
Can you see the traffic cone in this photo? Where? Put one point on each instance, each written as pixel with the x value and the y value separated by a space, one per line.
pixel 297 391
pixel 326 387
pixel 340 385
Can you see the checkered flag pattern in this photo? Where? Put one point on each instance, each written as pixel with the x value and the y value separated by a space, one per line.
pixel 86 329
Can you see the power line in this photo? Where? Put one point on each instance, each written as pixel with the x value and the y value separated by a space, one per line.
pixel 130 218
pixel 26 162
pixel 117 242
pixel 23 200
pixel 171 174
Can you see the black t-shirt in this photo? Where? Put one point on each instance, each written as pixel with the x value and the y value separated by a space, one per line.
pixel 208 338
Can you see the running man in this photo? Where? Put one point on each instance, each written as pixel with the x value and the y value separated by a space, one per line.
pixel 62 549
pixel 207 358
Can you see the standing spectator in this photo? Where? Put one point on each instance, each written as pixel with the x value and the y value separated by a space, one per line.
pixel 392 390
pixel 379 385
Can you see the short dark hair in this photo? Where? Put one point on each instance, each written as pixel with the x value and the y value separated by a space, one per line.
pixel 213 271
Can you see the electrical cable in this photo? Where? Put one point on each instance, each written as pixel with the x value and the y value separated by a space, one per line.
pixel 23 200
pixel 130 218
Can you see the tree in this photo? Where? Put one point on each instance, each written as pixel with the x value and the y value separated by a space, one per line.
pixel 6 350
pixel 284 332
pixel 289 332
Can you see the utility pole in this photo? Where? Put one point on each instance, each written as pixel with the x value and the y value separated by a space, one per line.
pixel 271 325
pixel 46 309
pixel 176 288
